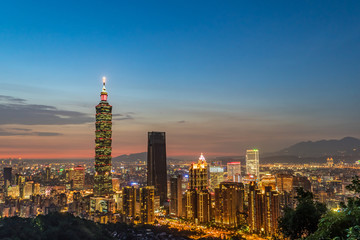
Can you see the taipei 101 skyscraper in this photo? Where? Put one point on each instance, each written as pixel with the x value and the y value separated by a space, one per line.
pixel 102 178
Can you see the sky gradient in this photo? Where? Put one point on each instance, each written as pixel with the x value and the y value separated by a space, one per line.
pixel 216 77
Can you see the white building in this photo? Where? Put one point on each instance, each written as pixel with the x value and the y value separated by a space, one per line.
pixel 252 162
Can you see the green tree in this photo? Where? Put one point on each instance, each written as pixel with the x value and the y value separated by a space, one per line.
pixel 344 224
pixel 303 220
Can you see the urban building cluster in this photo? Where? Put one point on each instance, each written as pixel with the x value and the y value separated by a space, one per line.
pixel 223 193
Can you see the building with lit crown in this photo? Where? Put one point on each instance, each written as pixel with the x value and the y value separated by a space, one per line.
pixel 102 179
pixel 197 208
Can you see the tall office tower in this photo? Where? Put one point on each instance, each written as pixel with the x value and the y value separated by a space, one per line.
pixel 129 202
pixel 156 164
pixel 176 195
pixel 198 196
pixel 229 204
pixel 216 177
pixel 271 210
pixel 7 176
pixel 252 162
pixel 78 178
pixel 102 179
pixel 147 210
pixel 234 171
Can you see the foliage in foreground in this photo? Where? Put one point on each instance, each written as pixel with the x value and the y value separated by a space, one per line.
pixel 303 220
pixel 344 224
pixel 54 226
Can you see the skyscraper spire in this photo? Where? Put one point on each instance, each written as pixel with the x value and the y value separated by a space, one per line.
pixel 104 94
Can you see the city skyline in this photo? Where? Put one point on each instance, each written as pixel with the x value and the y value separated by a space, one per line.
pixel 219 79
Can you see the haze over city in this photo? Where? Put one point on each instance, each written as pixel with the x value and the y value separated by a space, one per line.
pixel 217 78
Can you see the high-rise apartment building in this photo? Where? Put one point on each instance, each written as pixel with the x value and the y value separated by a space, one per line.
pixel 234 171
pixel 147 210
pixel 129 202
pixel 102 178
pixel 198 196
pixel 263 210
pixel 252 162
pixel 156 164
pixel 255 210
pixel 7 176
pixel 176 195
pixel 229 204
pixel 271 210
pixel 78 180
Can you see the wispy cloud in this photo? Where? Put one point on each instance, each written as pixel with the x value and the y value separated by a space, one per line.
pixel 18 111
pixel 4 98
pixel 26 132
pixel 125 116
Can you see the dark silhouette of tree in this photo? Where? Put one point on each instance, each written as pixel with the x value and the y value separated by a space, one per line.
pixel 303 220
pixel 54 226
pixel 344 224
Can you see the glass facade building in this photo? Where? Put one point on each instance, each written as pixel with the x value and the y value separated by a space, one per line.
pixel 156 164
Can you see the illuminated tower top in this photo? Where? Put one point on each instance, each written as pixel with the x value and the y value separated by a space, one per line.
pixel 198 174
pixel 104 94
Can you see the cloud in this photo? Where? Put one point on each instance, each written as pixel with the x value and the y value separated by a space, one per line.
pixel 18 111
pixel 4 98
pixel 182 121
pixel 47 134
pixel 26 132
pixel 20 129
pixel 125 116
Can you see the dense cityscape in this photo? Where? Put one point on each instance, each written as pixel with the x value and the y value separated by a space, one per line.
pixel 179 120
pixel 217 199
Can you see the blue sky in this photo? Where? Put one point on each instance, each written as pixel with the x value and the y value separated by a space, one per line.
pixel 218 77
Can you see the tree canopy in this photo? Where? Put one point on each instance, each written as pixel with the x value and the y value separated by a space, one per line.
pixel 303 220
pixel 53 226
pixel 344 224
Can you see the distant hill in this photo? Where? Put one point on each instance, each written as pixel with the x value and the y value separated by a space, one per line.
pixel 347 146
pixel 131 157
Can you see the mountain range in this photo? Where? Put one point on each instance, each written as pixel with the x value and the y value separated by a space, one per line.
pixel 309 151
pixel 347 146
